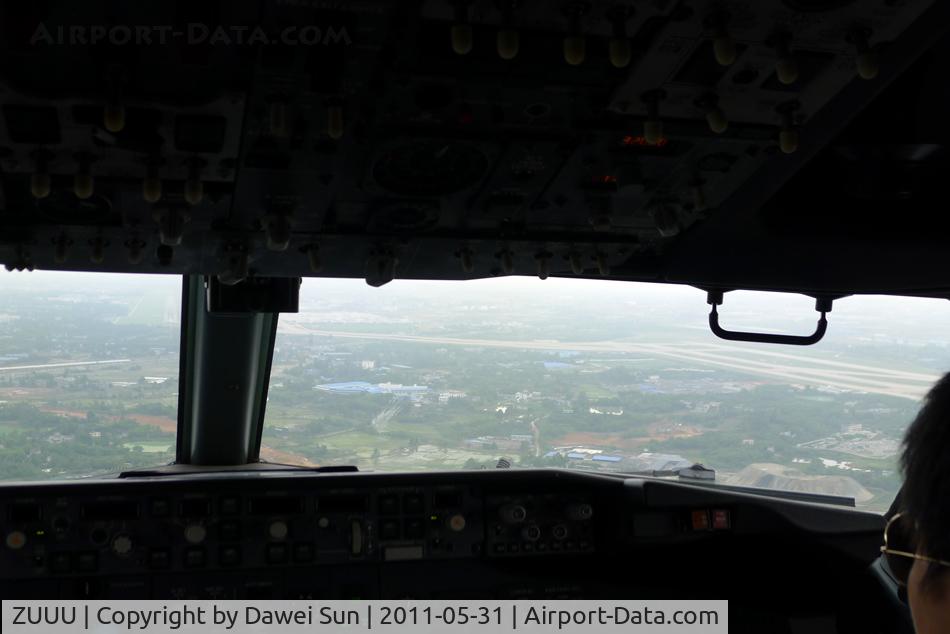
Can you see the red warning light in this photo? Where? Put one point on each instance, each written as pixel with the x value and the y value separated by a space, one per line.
pixel 700 520
pixel 606 179
pixel 639 141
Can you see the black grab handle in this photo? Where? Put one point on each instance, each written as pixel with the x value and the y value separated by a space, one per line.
pixel 822 305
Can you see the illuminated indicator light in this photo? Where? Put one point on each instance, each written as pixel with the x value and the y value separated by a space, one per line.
pixel 577 266
pixel 40 533
pixel 603 264
pixel 606 179
pixel 640 141
pixel 621 52
pixel 716 119
pixel 720 520
pixel 462 39
pixel 466 116
pixel 434 518
pixel 457 523
pixel 700 520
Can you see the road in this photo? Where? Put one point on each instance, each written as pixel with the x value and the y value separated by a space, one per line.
pixel 789 367
pixel 72 364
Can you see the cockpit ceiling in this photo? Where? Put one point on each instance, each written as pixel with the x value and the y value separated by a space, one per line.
pixel 701 142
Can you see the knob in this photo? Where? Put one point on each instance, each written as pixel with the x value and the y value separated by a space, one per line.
pixel 457 523
pixel 580 512
pixel 508 43
pixel 122 545
pixel 113 117
pixel 621 52
pixel 40 184
pixel 531 533
pixel 513 513
pixel 151 189
pixel 559 532
pixel 277 530
pixel 575 49
pixel 16 540
pixel 83 184
pixel 195 533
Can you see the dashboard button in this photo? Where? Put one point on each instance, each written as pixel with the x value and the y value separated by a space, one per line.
pixel 159 558
pixel 303 553
pixel 230 505
pixel 229 555
pixel 87 562
pixel 276 553
pixel 389 529
pixel 414 529
pixel 194 557
pixel 413 503
pixel 388 505
pixel 229 531
pixel 159 507
pixel 59 562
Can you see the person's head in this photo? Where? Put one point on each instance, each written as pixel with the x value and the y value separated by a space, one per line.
pixel 925 463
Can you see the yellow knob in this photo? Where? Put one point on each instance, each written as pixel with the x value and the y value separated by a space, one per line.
pixel 725 48
pixel 620 52
pixel 868 65
pixel 575 49
pixel 335 122
pixel 716 118
pixel 508 42
pixel 113 117
pixel 653 131
pixel 152 189
pixel 83 185
pixel 194 191
pixel 787 70
pixel 40 184
pixel 788 140
pixel 462 38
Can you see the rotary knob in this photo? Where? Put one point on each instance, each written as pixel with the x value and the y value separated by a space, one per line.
pixel 122 545
pixel 195 533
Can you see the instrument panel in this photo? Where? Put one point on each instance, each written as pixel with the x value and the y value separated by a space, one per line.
pixel 287 535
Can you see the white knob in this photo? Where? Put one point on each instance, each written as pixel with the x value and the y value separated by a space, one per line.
pixel 122 545
pixel 195 533
pixel 278 530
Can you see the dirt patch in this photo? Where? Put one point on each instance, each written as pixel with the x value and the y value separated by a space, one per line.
pixel 162 422
pixel 656 433
pixel 268 454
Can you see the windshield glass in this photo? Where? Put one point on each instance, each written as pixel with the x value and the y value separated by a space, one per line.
pixel 88 373
pixel 601 375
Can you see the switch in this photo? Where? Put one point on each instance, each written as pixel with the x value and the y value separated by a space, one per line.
pixel 86 562
pixel 356 538
pixel 414 529
pixel 229 555
pixel 303 553
pixel 721 520
pixel 389 529
pixel 159 558
pixel 194 557
pixel 413 503
pixel 276 553
pixel 59 562
pixel 388 505
pixel 229 531
pixel 700 520
pixel 230 505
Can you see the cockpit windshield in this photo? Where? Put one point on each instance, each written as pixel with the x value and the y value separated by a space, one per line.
pixel 601 376
pixel 88 373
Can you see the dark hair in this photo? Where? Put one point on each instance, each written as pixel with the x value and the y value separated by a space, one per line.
pixel 925 463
